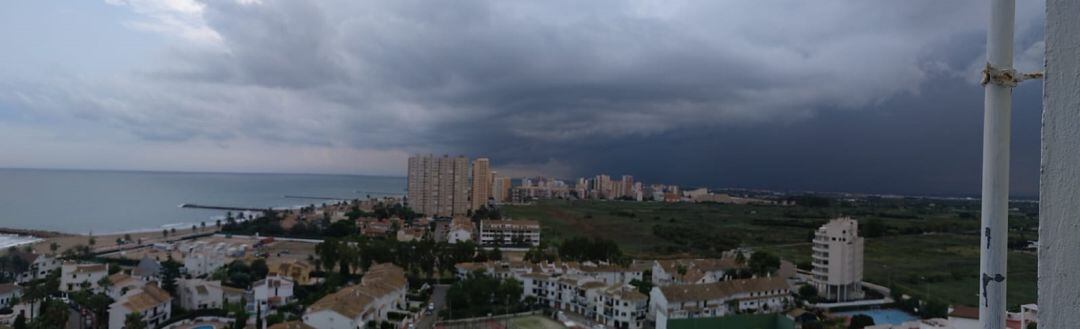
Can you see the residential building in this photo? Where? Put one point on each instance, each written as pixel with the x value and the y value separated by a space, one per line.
pixel 481 183
pixel 271 292
pixel 76 277
pixel 510 233
pixel 151 302
pixel 148 269
pixel 622 307
pixel 500 188
pixel 381 291
pixel 461 230
pixel 8 293
pixel 120 284
pixel 38 265
pixel 691 271
pixel 838 260
pixel 626 186
pixel 198 294
pixel 297 270
pixel 569 292
pixel 438 186
pixel 765 295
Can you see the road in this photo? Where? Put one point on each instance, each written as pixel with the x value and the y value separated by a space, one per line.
pixel 438 296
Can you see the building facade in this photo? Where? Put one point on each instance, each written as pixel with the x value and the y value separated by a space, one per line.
pixel 509 233
pixel 153 304
pixel 481 183
pixel 75 277
pixel 381 291
pixel 838 260
pixel 438 186
pixel 757 295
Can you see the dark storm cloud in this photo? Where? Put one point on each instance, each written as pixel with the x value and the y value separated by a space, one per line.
pixel 778 94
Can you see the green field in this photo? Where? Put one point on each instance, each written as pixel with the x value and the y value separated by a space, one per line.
pixel 942 263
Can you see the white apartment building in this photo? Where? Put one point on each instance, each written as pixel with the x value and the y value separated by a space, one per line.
pixel 75 277
pixel 693 271
pixel 8 293
pixel 569 292
pixel 381 290
pixel 40 266
pixel 121 284
pixel 461 230
pixel 621 307
pixel 198 294
pixel 838 260
pixel 438 186
pixel 271 292
pixel 510 233
pixel 766 295
pixel 153 303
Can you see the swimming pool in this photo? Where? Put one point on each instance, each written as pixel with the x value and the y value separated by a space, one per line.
pixel 882 316
pixel 204 327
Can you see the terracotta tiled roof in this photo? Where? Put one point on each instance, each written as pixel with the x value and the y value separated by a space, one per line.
pixel 353 301
pixel 720 290
pixel 148 298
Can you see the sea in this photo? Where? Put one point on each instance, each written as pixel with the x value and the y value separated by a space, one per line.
pixel 99 202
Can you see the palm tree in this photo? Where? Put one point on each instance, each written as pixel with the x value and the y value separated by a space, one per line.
pixel 134 321
pixel 53 247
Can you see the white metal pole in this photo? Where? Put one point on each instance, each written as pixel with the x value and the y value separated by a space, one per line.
pixel 995 174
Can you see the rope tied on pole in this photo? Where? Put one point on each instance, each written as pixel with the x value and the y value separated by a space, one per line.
pixel 1006 77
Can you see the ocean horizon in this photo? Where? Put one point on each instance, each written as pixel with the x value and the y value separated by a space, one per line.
pixel 81 201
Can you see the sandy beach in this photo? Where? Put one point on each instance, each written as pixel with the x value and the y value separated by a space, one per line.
pixel 106 242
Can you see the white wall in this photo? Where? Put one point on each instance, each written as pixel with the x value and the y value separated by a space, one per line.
pixel 1059 209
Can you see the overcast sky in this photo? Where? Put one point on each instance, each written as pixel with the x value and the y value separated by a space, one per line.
pixel 861 96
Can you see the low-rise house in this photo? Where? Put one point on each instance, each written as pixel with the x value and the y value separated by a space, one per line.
pixel 147 270
pixel 203 263
pixel 693 271
pixel 38 266
pixel 120 284
pixel 765 295
pixel 574 293
pixel 381 291
pixel 270 293
pixel 232 296
pixel 413 233
pixel 75 277
pixel 298 270
pixel 510 233
pixel 461 229
pixel 198 294
pixel 8 293
pixel 151 302
pixel 622 307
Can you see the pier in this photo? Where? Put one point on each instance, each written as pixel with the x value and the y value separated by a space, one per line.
pixel 230 208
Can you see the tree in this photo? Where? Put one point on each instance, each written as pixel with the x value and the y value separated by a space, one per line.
pixel 92 241
pixel 165 233
pixel 740 258
pixel 134 321
pixel 53 247
pixel 762 263
pixel 860 321
pixel 170 271
pixel 20 322
pixel 808 292
pixel 259 269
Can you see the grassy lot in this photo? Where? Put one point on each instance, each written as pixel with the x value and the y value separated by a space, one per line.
pixel 943 264
pixel 535 322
